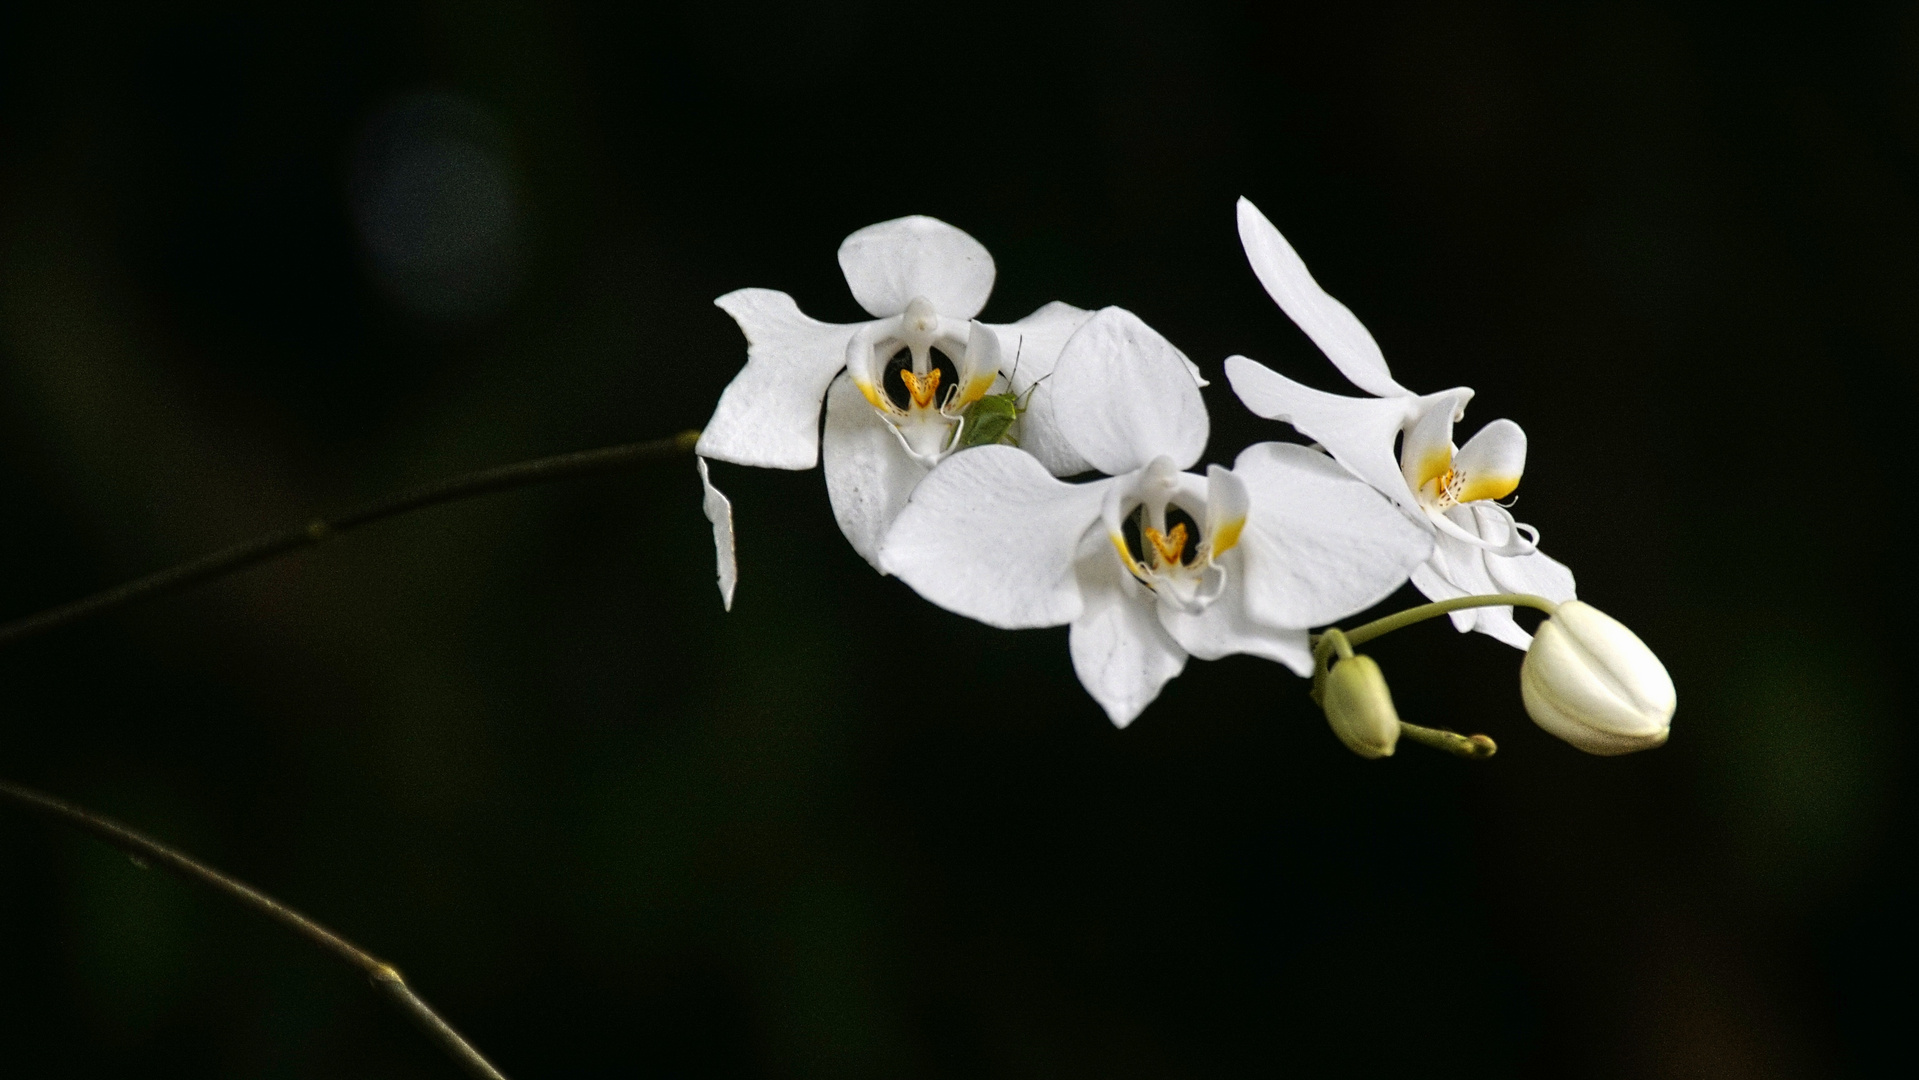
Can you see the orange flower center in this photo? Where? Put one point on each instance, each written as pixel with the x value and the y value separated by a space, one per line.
pixel 922 388
pixel 1168 546
pixel 1447 487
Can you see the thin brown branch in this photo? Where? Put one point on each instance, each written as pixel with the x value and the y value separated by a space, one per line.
pixel 262 549
pixel 153 853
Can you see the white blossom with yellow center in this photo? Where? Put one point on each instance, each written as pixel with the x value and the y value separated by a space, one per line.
pixel 897 387
pixel 1453 491
pixel 1153 564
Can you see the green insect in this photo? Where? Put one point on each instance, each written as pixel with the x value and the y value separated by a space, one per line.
pixel 989 419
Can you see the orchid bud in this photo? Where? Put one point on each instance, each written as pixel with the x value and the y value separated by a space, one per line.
pixel 1593 683
pixel 1360 708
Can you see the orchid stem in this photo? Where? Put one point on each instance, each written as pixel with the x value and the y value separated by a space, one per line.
pixel 145 851
pixel 1399 620
pixel 1340 642
pixel 1333 641
pixel 263 549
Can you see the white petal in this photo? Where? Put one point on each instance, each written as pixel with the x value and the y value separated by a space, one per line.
pixel 1498 623
pixel 1122 396
pixel 1228 502
pixel 1461 569
pixel 1332 326
pixel 1225 628
pixel 1533 573
pixel 1031 346
pixel 769 415
pixel 1359 432
pixel 991 534
pixel 1492 461
pixel 1319 545
pixel 1434 585
pixel 1427 449
pixel 1537 573
pixel 1122 654
pixel 868 473
pixel 863 360
pixel 719 511
pixel 888 264
pixel 979 365
pixel 1029 350
pixel 1456 568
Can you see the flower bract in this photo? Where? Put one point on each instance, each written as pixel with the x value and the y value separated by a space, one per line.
pixel 1152 564
pixel 719 511
pixel 1453 491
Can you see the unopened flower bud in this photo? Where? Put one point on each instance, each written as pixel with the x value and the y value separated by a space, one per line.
pixel 1360 708
pixel 1593 683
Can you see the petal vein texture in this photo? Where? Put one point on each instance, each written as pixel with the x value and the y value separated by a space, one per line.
pixel 1319 544
pixel 992 535
pixel 1123 395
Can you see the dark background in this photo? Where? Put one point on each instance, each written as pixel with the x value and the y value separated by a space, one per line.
pixel 262 261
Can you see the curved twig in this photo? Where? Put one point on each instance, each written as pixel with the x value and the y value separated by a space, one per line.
pixel 378 971
pixel 319 530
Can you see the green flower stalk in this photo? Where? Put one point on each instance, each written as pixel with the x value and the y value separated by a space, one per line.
pixel 1586 679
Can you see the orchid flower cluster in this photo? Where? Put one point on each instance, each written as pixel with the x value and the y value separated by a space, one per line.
pixel 957 452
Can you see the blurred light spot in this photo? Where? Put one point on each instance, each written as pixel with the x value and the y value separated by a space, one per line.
pixel 435 204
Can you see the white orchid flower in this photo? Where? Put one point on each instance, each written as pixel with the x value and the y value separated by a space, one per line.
pixel 1152 564
pixel 1452 491
pixel 897 387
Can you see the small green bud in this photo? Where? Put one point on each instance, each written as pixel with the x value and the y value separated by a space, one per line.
pixel 1360 708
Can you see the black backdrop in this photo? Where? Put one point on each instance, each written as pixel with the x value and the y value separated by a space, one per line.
pixel 258 261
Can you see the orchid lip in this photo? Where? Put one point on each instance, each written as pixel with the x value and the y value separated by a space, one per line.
pixel 1160 539
pixel 1525 539
pixel 948 441
pixel 920 371
pixel 1441 476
